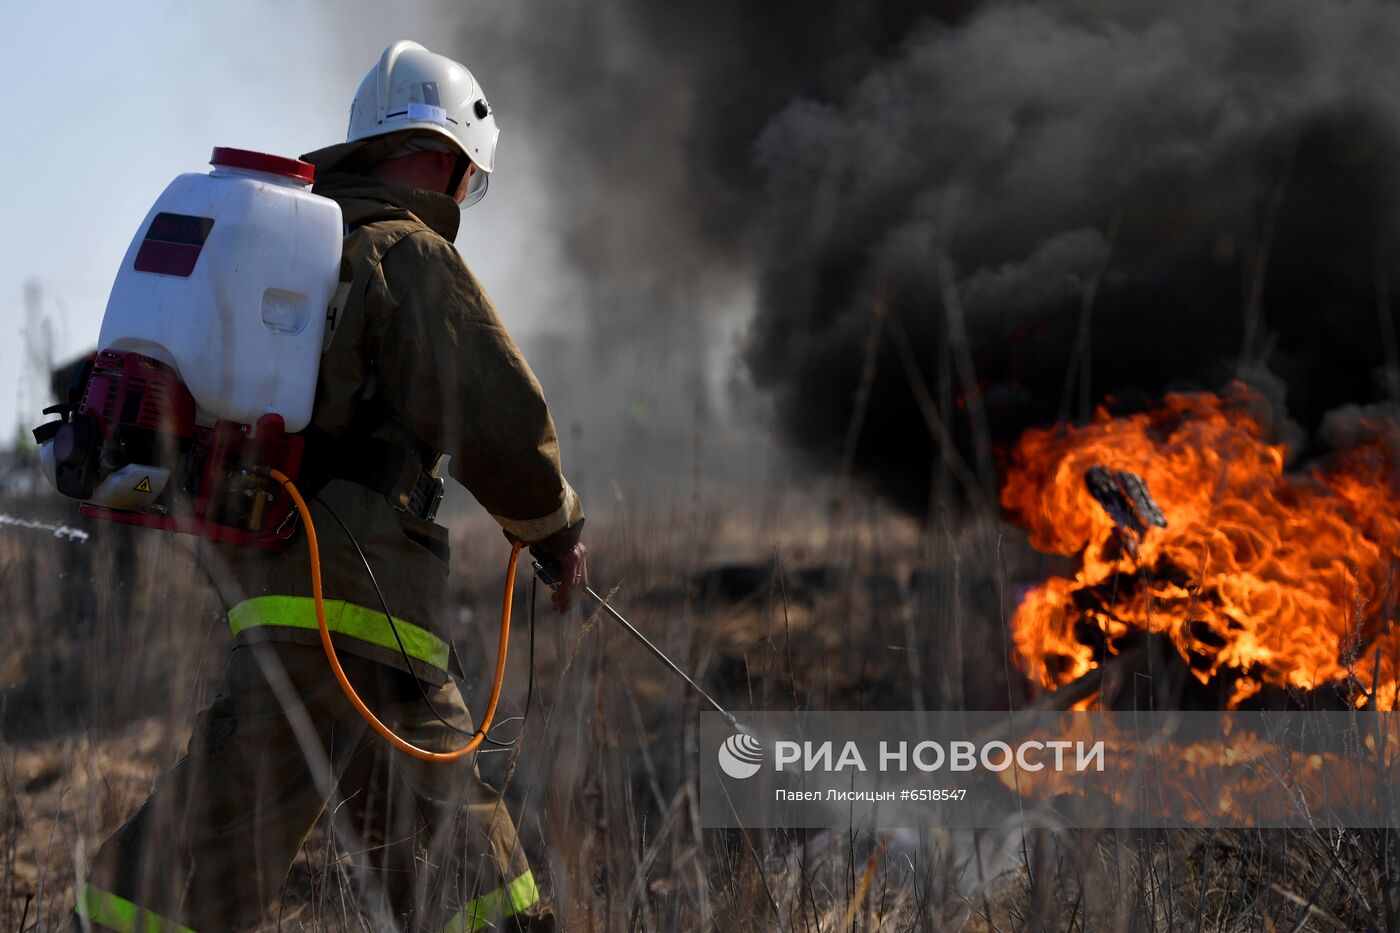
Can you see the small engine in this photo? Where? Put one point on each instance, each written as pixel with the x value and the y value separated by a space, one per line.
pixel 129 448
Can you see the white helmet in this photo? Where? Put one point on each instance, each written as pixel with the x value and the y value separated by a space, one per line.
pixel 414 89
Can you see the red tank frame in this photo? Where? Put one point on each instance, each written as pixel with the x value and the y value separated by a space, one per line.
pixel 127 390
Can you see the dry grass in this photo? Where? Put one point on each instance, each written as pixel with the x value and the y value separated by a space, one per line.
pixel 855 608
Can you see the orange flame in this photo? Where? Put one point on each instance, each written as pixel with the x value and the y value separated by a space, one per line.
pixel 1261 577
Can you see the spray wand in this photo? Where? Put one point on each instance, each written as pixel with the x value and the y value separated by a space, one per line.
pixel 548 580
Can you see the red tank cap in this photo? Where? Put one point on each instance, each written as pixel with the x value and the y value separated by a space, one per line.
pixel 263 162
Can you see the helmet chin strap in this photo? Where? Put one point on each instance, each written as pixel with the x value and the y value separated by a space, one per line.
pixel 458 173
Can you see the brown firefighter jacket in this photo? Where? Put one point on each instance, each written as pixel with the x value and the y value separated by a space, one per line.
pixel 419 359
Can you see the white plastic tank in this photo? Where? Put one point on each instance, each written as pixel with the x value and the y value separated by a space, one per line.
pixel 228 280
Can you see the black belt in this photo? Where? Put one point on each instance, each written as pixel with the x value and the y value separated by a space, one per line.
pixel 386 468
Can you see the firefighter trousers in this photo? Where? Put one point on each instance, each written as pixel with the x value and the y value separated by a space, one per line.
pixel 427 846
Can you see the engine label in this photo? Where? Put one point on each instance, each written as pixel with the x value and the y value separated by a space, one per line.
pixel 172 244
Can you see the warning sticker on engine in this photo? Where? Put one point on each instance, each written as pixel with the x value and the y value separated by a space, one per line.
pixel 144 485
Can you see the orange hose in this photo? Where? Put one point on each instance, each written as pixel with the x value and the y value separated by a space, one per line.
pixel 350 694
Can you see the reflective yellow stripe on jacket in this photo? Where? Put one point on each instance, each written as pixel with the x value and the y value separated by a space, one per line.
pixel 491 908
pixel 343 618
pixel 117 913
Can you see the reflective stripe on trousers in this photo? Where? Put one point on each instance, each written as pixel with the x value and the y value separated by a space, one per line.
pixel 343 618
pixel 494 906
pixel 117 913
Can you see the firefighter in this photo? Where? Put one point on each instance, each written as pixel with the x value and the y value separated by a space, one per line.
pixel 417 367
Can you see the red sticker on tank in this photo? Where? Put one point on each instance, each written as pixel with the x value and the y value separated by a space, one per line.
pixel 172 244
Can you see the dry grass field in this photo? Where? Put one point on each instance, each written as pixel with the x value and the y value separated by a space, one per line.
pixel 805 600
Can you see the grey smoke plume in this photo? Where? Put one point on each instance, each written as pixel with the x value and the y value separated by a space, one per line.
pixel 964 220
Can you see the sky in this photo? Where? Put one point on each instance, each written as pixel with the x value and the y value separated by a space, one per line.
pixel 116 99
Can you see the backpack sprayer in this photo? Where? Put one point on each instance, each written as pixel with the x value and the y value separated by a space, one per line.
pixel 186 419
pixel 210 347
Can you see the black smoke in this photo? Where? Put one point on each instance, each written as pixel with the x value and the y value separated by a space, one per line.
pixel 963 220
